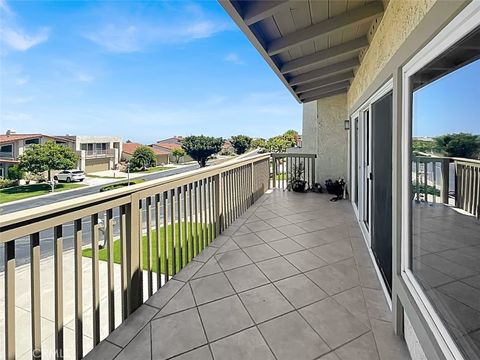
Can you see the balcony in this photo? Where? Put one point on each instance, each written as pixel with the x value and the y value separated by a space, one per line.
pixel 246 272
pixel 95 154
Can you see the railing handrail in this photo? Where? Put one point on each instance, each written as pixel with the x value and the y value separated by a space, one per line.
pixel 283 155
pixel 122 195
pixel 439 158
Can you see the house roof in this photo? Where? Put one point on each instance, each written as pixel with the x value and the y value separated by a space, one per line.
pixel 15 137
pixel 167 146
pixel 129 148
pixel 313 46
pixel 172 140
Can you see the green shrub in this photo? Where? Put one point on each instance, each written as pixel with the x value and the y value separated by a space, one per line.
pixel 5 183
pixel 120 185
pixel 15 173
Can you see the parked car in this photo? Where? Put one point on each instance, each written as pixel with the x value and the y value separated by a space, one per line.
pixel 70 175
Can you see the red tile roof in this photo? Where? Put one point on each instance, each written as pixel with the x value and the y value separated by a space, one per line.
pixel 168 146
pixel 129 148
pixel 15 137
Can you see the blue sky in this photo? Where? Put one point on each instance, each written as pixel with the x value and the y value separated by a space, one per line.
pixel 140 70
pixel 450 104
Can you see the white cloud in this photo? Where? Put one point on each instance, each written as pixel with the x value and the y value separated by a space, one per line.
pixel 234 58
pixel 14 37
pixel 116 38
pixel 83 77
pixel 22 81
pixel 129 33
pixel 5 8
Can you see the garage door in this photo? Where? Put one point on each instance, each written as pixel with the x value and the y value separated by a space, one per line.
pixel 94 165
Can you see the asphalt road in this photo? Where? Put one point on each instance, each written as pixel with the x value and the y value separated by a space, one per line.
pixel 87 190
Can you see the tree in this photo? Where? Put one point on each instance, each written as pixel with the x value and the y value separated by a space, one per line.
pixel 200 148
pixel 143 157
pixel 259 143
pixel 278 144
pixel 178 153
pixel 422 146
pixel 49 156
pixel 458 145
pixel 291 136
pixel 241 143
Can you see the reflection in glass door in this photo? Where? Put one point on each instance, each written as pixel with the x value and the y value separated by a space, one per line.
pixel 366 171
pixel 356 147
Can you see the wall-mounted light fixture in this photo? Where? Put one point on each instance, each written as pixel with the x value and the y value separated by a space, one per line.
pixel 347 124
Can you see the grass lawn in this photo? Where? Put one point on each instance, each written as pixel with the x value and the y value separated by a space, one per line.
pixel 281 176
pixel 120 185
pixel 180 253
pixel 27 191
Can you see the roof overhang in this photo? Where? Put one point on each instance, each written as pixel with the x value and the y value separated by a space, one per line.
pixel 313 46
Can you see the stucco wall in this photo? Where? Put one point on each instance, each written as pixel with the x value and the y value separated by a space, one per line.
pixel 310 128
pixel 399 20
pixel 331 138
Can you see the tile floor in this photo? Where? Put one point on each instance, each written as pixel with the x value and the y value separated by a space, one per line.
pixel 290 279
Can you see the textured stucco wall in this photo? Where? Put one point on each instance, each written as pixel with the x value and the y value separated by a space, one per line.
pixel 399 20
pixel 310 128
pixel 331 138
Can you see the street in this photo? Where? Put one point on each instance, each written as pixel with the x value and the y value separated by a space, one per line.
pixel 87 190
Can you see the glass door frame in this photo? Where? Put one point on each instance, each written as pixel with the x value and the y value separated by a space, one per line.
pixel 460 26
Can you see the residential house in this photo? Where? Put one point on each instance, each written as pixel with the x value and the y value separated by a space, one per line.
pixel 98 153
pixel 170 144
pixel 12 145
pixel 162 156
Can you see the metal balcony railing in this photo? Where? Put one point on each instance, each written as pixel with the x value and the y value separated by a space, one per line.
pixel 91 154
pixel 175 218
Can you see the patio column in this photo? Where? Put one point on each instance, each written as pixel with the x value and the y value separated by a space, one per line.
pixel 324 134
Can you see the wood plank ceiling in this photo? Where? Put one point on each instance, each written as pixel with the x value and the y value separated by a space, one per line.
pixel 314 46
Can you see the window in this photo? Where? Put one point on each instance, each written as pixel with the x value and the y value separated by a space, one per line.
pixel 6 149
pixel 32 141
pixel 444 188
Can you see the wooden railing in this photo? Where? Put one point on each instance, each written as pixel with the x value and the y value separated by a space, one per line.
pixel 431 181
pixel 175 218
pixel 284 165
pixel 467 185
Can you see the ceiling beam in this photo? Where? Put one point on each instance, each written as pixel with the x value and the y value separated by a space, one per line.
pixel 324 82
pixel 325 71
pixel 353 46
pixel 328 94
pixel 326 89
pixel 328 26
pixel 259 10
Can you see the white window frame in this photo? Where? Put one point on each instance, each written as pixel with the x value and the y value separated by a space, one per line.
pixel 367 105
pixel 459 27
